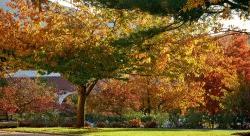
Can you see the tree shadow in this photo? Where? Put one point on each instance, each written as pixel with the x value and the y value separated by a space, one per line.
pixel 242 134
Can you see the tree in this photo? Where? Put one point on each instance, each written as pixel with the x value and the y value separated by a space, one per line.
pixel 58 32
pixel 88 51
pixel 81 50
pixel 197 60
pixel 26 95
pixel 235 104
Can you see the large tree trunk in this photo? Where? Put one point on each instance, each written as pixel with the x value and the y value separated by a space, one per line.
pixel 81 106
pixel 83 93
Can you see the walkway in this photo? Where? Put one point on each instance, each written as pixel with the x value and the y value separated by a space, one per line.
pixel 5 133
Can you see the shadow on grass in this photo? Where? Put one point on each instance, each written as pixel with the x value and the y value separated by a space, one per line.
pixel 242 134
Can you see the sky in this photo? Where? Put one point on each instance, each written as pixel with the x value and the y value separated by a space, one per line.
pixel 63 2
pixel 2 4
pixel 237 22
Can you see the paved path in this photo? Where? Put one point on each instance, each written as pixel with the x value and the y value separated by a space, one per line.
pixel 5 133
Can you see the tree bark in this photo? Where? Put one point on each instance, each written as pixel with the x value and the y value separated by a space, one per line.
pixel 81 106
pixel 7 116
pixel 83 93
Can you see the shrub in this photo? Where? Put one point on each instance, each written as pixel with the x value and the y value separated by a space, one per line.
pixel 151 124
pixel 135 123
pixel 119 125
pixel 98 117
pixel 70 124
pixel 67 121
pixel 101 124
pixel 193 119
pixel 147 118
pixel 133 115
pixel 47 119
pixel 87 124
pixel 8 124
pixel 95 118
pixel 25 123
pixel 174 117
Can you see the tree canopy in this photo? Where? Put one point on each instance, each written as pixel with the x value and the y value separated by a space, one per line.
pixel 185 10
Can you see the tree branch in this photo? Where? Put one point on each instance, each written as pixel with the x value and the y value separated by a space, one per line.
pixel 90 87
pixel 236 6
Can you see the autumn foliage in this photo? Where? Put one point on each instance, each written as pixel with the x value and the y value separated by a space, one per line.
pixel 26 95
pixel 94 48
pixel 21 32
pixel 238 49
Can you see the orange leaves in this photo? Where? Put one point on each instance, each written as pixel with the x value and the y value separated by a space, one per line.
pixel 114 97
pixel 239 51
pixel 145 94
pixel 21 34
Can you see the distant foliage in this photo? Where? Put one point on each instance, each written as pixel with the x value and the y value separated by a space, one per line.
pixel 238 49
pixel 26 95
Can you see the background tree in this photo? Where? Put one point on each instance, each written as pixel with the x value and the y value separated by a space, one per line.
pixel 237 47
pixel 26 95
pixel 113 97
pixel 148 95
pixel 236 105
pixel 191 59
pixel 159 94
pixel 20 35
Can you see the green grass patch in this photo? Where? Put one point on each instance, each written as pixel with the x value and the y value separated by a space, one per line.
pixel 129 131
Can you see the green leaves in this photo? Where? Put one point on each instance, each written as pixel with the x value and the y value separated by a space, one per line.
pixel 3 82
pixel 184 10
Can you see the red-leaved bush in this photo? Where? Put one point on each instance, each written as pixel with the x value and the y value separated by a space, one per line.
pixel 26 95
pixel 135 123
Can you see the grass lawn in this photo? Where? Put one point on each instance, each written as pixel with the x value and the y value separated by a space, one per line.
pixel 129 131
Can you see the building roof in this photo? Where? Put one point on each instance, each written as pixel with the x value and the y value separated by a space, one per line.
pixel 53 79
pixel 33 74
pixel 60 84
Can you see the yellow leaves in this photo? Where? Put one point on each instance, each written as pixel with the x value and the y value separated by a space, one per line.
pixel 21 33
